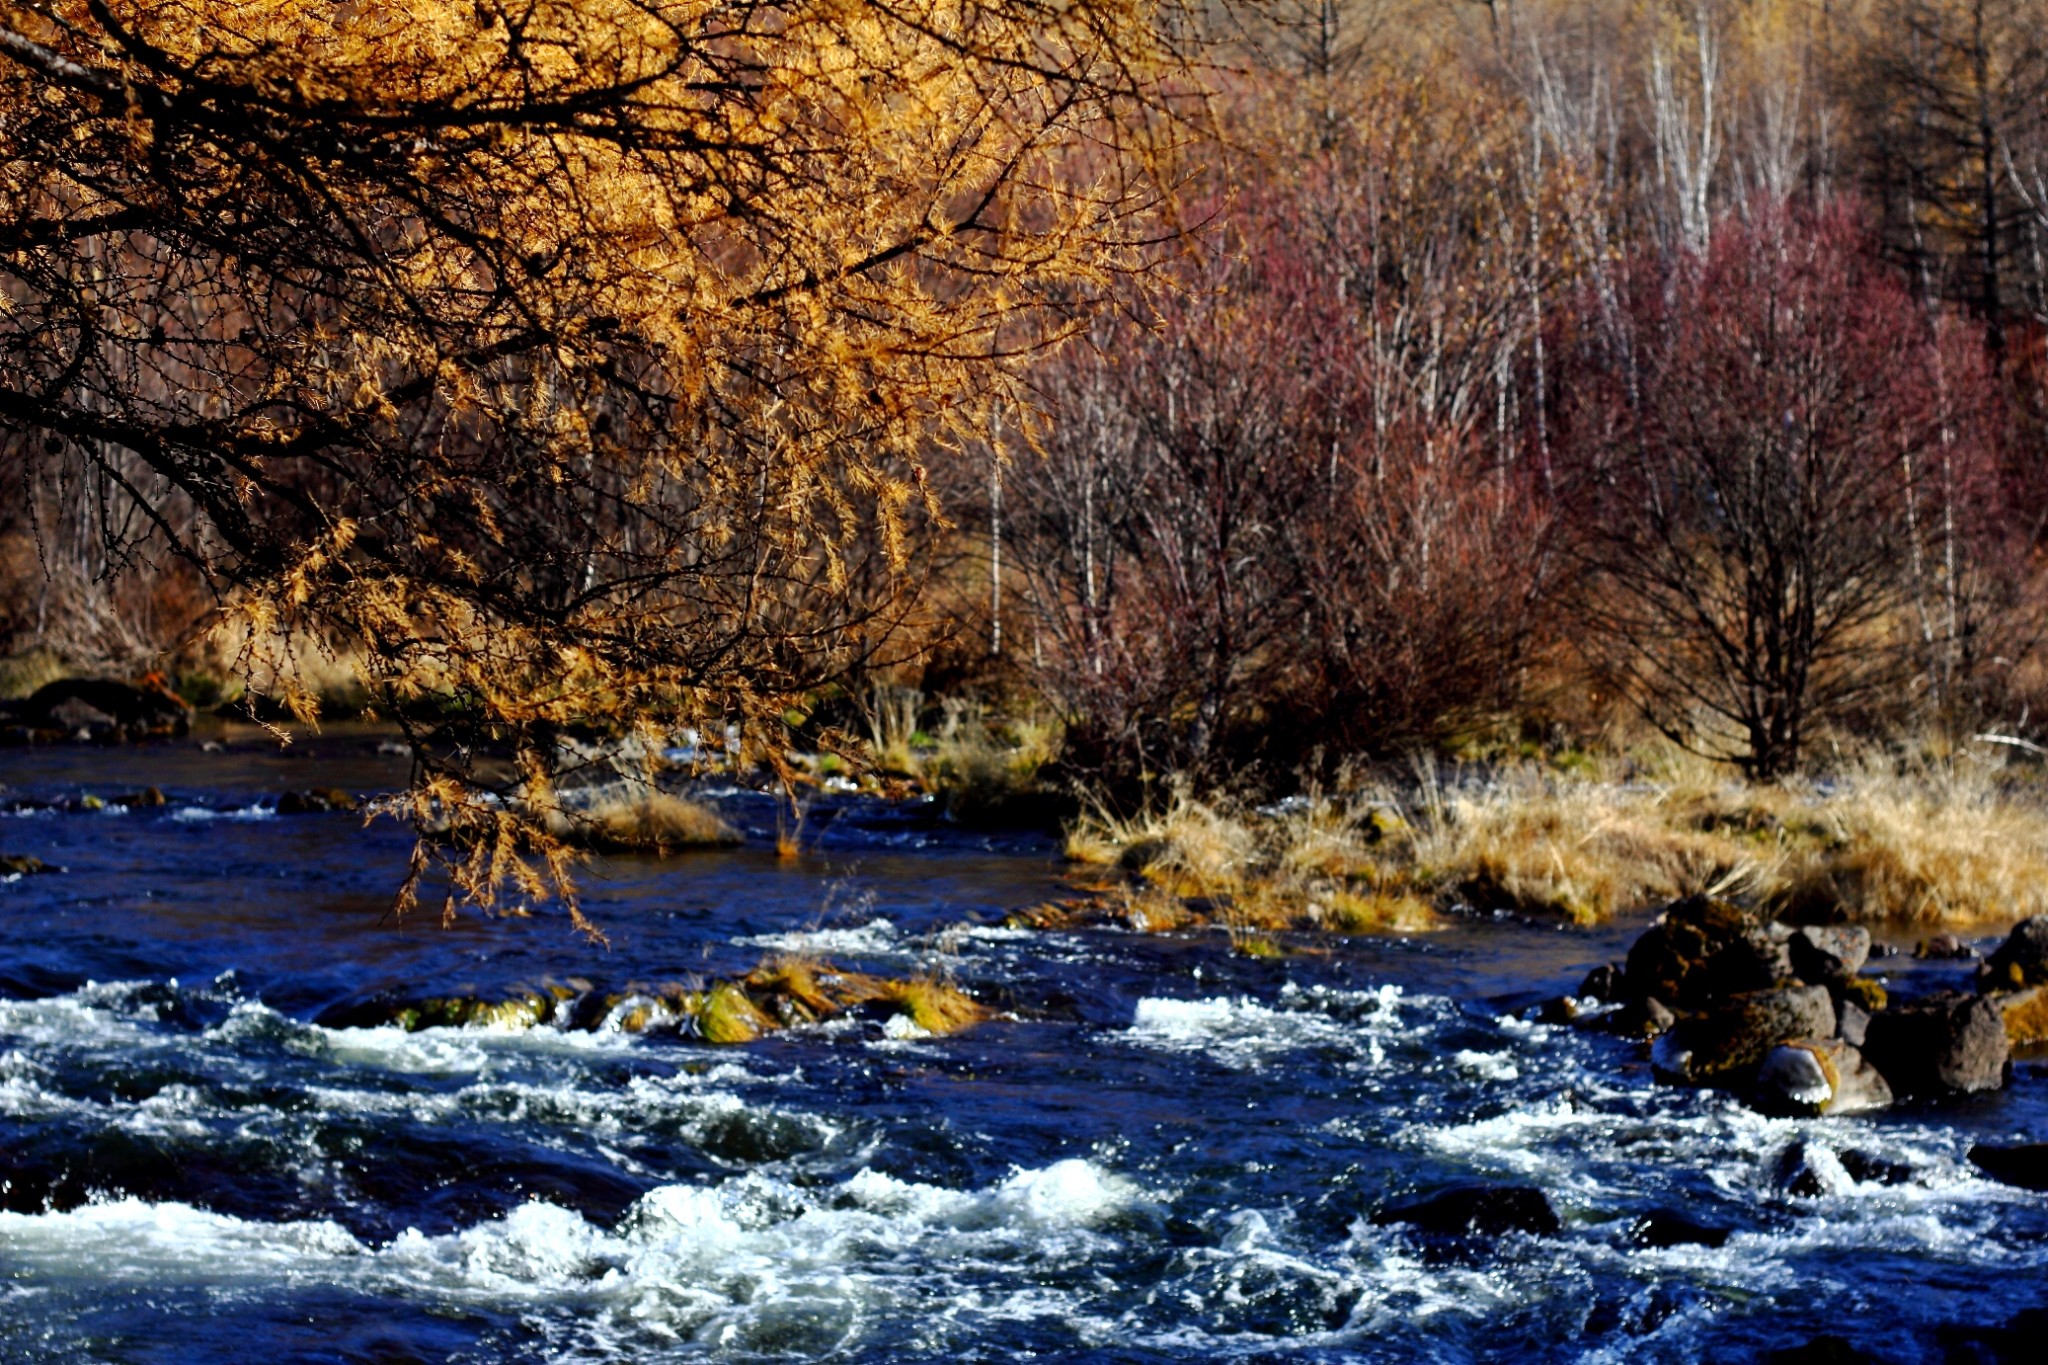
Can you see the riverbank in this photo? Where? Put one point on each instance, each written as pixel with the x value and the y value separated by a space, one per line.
pixel 1913 847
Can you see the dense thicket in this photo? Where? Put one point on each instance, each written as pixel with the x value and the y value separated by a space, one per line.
pixel 1545 358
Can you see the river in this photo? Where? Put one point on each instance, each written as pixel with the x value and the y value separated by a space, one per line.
pixel 1159 1150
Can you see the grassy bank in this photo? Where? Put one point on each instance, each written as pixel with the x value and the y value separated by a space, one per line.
pixel 1915 844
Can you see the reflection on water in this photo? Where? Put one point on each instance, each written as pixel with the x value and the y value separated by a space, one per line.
pixel 1160 1151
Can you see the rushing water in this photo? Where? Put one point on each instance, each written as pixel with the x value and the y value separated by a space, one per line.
pixel 1161 1151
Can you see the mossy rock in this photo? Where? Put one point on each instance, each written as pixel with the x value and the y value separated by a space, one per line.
pixel 2025 1014
pixel 440 1012
pixel 934 1006
pixel 729 1015
pixel 1866 991
pixel 1702 950
pixel 520 1012
pixel 2022 960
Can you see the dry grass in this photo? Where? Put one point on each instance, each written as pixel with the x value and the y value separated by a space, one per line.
pixel 21 674
pixel 981 766
pixel 1957 843
pixel 935 1006
pixel 1316 863
pixel 729 1015
pixel 1574 848
pixel 639 820
pixel 1940 844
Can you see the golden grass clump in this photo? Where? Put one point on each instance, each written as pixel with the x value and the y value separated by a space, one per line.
pixel 937 1007
pixel 729 1015
pixel 800 990
pixel 1881 840
pixel 794 988
pixel 1190 848
pixel 1580 850
pixel 1313 864
pixel 982 767
pixel 1347 912
pixel 780 993
pixel 1929 845
pixel 641 821
pixel 21 674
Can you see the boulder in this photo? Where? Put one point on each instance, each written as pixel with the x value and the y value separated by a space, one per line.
pixel 1852 1021
pixel 2022 960
pixel 1664 1228
pixel 22 865
pixel 1832 952
pixel 1815 1076
pixel 1475 1211
pixel 1867 993
pixel 2019 1339
pixel 76 716
pixel 315 801
pixel 1726 1043
pixel 1603 983
pixel 100 705
pixel 1809 1170
pixel 1701 949
pixel 2025 1014
pixel 2025 1165
pixel 1942 948
pixel 1868 1168
pixel 1944 1044
pixel 1644 1020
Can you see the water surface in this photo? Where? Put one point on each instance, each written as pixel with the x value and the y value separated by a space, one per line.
pixel 1160 1152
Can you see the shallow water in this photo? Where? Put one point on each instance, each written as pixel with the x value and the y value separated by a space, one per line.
pixel 1160 1152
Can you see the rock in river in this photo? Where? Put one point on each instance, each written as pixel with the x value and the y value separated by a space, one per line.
pixel 1475 1211
pixel 2022 960
pixel 1701 949
pixel 1831 952
pixel 1727 1042
pixel 1665 1228
pixel 1945 1043
pixel 1815 1076
pixel 2025 1165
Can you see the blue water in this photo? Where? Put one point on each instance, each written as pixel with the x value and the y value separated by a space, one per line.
pixel 1160 1151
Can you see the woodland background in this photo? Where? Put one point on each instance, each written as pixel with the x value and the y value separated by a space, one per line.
pixel 1484 376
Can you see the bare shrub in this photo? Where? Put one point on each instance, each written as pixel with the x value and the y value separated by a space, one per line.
pixel 1782 488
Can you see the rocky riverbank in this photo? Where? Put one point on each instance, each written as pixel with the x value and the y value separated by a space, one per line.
pixel 1785 1015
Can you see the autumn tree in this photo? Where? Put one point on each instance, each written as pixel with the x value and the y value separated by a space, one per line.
pixel 1951 99
pixel 560 362
pixel 1766 482
pixel 1289 505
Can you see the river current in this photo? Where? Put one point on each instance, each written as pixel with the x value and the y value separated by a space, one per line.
pixel 1158 1151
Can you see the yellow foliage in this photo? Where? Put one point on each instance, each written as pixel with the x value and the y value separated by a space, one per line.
pixel 570 361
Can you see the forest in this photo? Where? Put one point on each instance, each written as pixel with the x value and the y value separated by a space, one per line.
pixel 1180 401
